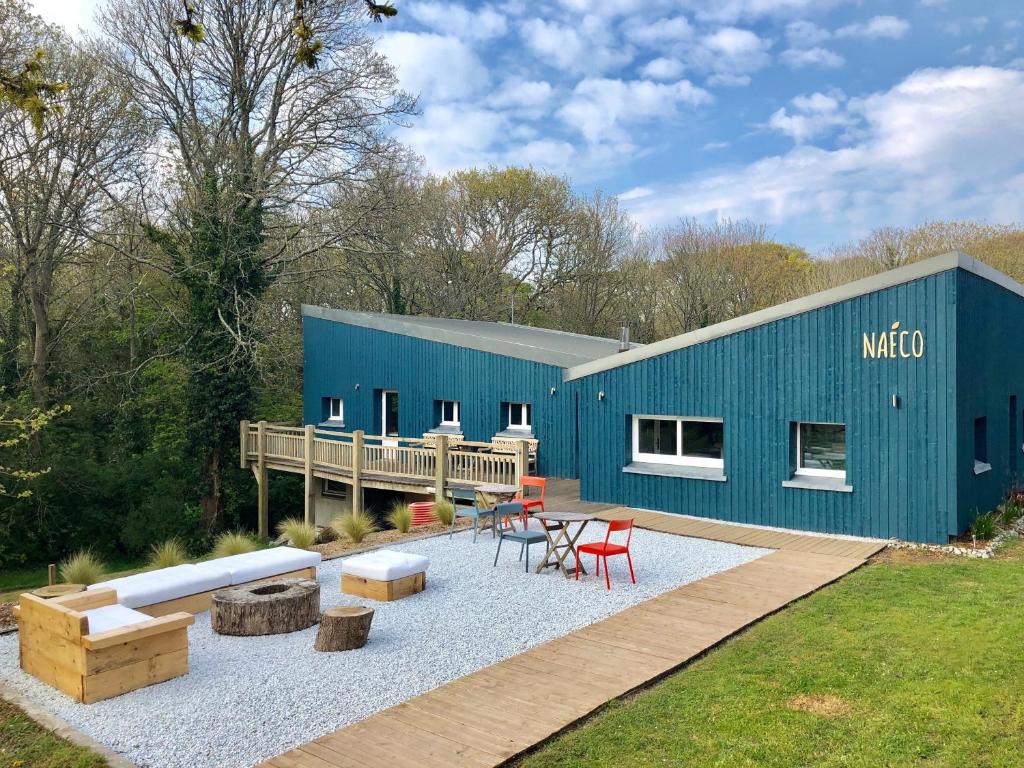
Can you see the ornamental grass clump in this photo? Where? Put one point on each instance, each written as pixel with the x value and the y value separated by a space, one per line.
pixel 233 543
pixel 83 567
pixel 299 533
pixel 984 526
pixel 167 554
pixel 444 512
pixel 1012 509
pixel 356 526
pixel 400 517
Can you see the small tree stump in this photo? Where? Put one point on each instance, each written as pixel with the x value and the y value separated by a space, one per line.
pixel 285 605
pixel 344 628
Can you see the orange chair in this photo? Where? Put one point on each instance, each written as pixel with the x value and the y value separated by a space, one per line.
pixel 603 549
pixel 531 502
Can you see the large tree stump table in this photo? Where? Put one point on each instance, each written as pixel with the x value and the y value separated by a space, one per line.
pixel 270 608
pixel 343 628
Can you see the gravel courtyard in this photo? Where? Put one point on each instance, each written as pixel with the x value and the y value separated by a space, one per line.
pixel 248 698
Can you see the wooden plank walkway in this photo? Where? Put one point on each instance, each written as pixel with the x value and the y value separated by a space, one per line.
pixel 488 717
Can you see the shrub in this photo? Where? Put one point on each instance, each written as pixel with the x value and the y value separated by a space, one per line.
pixel 83 567
pixel 1011 510
pixel 445 512
pixel 167 554
pixel 401 517
pixel 984 526
pixel 233 543
pixel 356 527
pixel 298 532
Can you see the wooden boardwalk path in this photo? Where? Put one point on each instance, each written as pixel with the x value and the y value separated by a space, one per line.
pixel 485 718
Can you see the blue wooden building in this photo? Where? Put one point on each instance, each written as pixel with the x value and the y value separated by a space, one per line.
pixel 888 407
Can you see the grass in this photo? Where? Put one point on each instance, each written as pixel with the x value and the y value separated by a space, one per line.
pixel 400 517
pixel 896 665
pixel 299 533
pixel 233 543
pixel 167 554
pixel 25 743
pixel 356 527
pixel 444 512
pixel 83 567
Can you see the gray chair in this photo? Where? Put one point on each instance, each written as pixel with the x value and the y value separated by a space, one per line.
pixel 464 505
pixel 525 537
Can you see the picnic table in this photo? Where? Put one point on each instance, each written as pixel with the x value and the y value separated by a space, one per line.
pixel 562 539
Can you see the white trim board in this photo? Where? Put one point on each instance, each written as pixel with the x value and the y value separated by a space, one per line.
pixel 890 279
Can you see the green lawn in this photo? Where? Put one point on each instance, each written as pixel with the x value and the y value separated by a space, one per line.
pixel 901 665
pixel 25 744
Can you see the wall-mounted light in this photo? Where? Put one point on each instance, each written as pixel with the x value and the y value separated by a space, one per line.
pixel 600 395
pixel 357 387
pixel 553 390
pixel 895 401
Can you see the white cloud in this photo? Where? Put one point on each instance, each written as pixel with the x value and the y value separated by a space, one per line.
pixel 527 94
pixel 636 193
pixel 812 57
pixel 730 55
pixel 599 107
pixel 726 80
pixel 546 154
pixel 453 136
pixel 933 146
pixel 972 26
pixel 587 47
pixel 805 34
pixel 439 67
pixel 875 28
pixel 812 116
pixel 454 19
pixel 714 145
pixel 731 11
pixel 663 69
pixel 71 14
pixel 659 32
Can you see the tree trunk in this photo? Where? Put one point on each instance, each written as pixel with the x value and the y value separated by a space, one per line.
pixel 343 628
pixel 40 351
pixel 12 335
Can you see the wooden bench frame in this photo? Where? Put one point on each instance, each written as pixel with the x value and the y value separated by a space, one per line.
pixel 55 646
pixel 385 591
pixel 201 601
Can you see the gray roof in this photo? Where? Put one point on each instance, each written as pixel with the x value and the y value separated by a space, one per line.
pixel 539 345
pixel 894 277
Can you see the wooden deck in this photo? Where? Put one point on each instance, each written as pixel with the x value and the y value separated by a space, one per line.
pixel 486 718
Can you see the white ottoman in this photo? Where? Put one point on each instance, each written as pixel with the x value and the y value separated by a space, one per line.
pixel 384 575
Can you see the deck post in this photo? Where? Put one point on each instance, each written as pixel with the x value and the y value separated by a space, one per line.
pixel 309 455
pixel 522 460
pixel 357 471
pixel 243 434
pixel 440 467
pixel 263 499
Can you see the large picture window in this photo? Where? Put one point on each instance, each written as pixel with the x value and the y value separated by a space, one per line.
pixel 688 441
pixel 821 450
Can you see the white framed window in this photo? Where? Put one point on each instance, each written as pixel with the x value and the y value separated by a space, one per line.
pixel 695 441
pixel 335 410
pixel 518 416
pixel 450 413
pixel 820 449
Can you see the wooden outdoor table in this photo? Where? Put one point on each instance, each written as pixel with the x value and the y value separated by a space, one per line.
pixel 562 539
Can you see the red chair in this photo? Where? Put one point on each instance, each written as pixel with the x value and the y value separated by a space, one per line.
pixel 604 549
pixel 531 502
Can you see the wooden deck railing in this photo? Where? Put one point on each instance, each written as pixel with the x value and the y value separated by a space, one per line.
pixel 356 456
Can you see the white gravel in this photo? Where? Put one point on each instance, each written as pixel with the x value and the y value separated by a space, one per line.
pixel 248 698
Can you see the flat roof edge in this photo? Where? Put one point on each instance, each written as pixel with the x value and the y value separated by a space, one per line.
pixel 456 338
pixel 864 286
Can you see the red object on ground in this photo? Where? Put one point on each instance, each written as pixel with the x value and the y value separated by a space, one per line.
pixel 532 502
pixel 604 549
pixel 423 513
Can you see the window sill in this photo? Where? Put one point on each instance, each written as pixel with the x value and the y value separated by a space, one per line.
pixel 522 434
pixel 444 429
pixel 675 470
pixel 812 483
pixel 331 424
pixel 981 467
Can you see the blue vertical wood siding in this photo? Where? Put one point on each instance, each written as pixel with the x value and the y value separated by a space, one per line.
pixel 901 461
pixel 338 357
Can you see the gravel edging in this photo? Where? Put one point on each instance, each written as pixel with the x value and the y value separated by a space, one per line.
pixel 62 728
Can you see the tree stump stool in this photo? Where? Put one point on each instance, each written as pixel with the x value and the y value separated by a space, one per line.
pixel 270 608
pixel 344 628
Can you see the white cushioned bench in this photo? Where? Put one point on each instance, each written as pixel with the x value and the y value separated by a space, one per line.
pixel 384 574
pixel 190 587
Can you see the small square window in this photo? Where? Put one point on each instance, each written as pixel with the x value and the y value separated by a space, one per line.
pixel 519 416
pixel 333 409
pixel 821 449
pixel 981 463
pixel 450 413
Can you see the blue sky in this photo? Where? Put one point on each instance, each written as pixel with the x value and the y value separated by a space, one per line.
pixel 822 118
